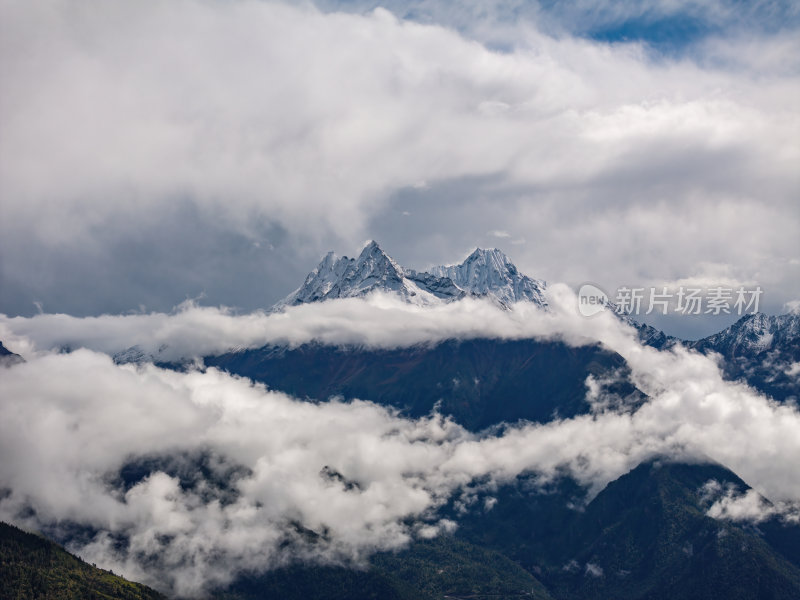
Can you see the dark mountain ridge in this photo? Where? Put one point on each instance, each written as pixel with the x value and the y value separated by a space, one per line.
pixel 646 535
pixel 478 382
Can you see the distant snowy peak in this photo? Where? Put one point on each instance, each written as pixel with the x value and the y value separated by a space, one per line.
pixel 755 333
pixel 373 270
pixel 491 273
pixel 485 273
pixel 763 350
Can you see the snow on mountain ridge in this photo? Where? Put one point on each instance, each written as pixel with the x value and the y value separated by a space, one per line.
pixel 763 350
pixel 485 273
pixel 754 333
pixel 491 272
pixel 345 277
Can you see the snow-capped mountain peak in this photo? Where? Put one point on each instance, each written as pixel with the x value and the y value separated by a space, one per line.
pixel 489 272
pixel 764 350
pixel 373 270
pixel 485 273
pixel 754 333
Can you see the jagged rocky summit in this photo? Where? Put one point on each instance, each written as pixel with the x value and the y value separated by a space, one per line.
pixel 484 273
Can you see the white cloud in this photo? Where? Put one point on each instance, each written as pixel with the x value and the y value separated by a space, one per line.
pixel 750 506
pixel 68 443
pixel 792 306
pixel 382 320
pixel 593 570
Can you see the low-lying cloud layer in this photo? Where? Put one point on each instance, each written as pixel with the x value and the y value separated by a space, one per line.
pixel 334 481
pixel 380 321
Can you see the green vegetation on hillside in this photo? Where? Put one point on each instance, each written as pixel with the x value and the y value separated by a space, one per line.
pixel 428 570
pixel 32 567
pixel 449 567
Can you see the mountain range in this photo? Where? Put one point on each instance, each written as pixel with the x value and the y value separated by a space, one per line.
pixel 763 350
pixel 489 273
pixel 484 273
pixel 646 536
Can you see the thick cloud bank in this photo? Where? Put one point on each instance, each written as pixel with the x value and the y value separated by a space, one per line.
pixel 280 479
pixel 378 321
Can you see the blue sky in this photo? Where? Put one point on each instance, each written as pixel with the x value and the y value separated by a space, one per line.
pixel 668 28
